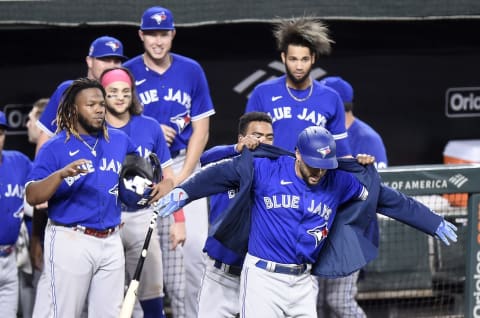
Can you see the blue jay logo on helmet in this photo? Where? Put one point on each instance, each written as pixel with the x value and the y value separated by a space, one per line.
pixel 324 151
pixel 317 148
pixel 137 177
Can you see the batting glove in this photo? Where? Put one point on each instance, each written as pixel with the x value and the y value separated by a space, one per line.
pixel 446 231
pixel 171 202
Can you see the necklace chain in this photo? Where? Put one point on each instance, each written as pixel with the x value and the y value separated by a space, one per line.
pixel 92 149
pixel 295 97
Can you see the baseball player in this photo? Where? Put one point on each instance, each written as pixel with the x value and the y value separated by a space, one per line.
pixel 220 289
pixel 77 172
pixel 27 275
pixel 14 169
pixel 33 130
pixel 294 201
pixel 343 251
pixel 336 297
pixel 104 52
pixel 361 136
pixel 174 90
pixel 296 101
pixel 124 113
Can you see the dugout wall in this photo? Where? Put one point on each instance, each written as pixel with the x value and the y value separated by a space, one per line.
pixel 416 275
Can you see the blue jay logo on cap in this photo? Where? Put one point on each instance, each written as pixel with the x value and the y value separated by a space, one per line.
pixel 159 17
pixel 324 151
pixel 113 45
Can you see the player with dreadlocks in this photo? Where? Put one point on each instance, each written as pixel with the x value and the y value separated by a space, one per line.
pixel 295 100
pixel 76 171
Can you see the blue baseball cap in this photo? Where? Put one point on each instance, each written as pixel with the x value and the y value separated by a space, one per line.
pixel 3 120
pixel 106 46
pixel 157 18
pixel 342 87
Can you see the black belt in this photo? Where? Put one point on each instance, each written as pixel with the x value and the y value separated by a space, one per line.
pixel 282 268
pixel 89 231
pixel 6 250
pixel 229 269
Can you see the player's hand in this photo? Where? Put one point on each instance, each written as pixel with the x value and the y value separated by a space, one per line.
pixel 75 168
pixel 249 141
pixel 160 189
pixel 36 252
pixel 365 159
pixel 446 231
pixel 173 201
pixel 169 133
pixel 177 234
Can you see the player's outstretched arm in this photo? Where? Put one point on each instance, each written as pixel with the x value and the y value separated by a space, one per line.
pixel 171 202
pixel 446 232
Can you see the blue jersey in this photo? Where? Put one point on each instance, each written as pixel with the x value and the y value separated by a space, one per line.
pixel 174 98
pixel 290 117
pixel 364 139
pixel 47 121
pixel 290 220
pixel 14 169
pixel 89 199
pixel 148 136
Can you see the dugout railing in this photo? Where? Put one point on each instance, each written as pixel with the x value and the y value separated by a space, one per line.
pixel 415 275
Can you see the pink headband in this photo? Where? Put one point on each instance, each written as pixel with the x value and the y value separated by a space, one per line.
pixel 116 75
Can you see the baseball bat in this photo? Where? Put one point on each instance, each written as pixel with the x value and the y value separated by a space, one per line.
pixel 131 295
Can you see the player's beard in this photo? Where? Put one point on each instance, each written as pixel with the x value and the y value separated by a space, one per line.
pixel 311 176
pixel 295 80
pixel 90 128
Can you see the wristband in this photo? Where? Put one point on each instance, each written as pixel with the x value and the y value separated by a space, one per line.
pixel 179 216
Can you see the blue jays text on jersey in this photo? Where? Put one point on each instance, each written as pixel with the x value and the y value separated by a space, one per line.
pixel 14 169
pixel 290 117
pixel 175 98
pixel 287 232
pixel 88 199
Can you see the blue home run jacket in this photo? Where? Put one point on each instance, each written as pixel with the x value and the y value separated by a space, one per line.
pixel 353 239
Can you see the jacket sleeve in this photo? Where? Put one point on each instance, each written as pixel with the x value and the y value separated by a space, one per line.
pixel 214 178
pixel 217 153
pixel 407 210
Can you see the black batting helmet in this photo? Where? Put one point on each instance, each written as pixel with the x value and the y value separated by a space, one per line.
pixel 137 177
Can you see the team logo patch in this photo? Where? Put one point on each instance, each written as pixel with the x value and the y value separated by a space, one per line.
pixel 159 17
pixel 319 233
pixel 19 213
pixel 114 191
pixel 113 45
pixel 181 121
pixel 324 151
